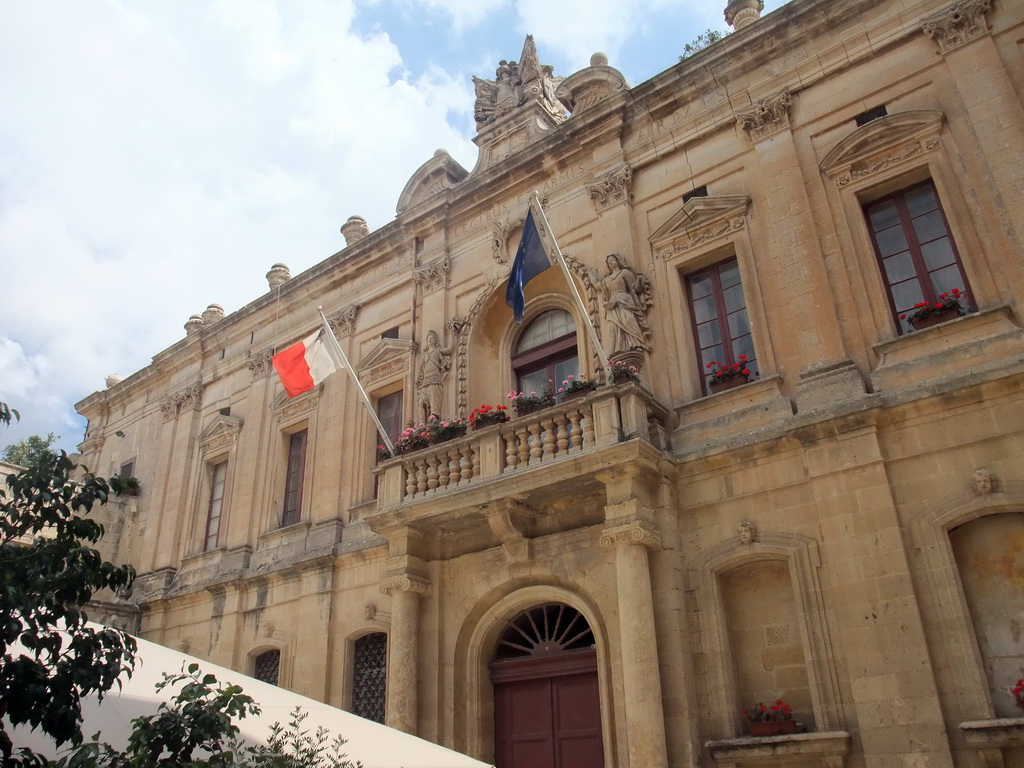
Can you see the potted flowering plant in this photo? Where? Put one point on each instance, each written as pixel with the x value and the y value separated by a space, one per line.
pixel 723 376
pixel 928 313
pixel 619 372
pixel 413 439
pixel 524 403
pixel 486 415
pixel 434 431
pixel 576 386
pixel 775 720
pixel 1018 693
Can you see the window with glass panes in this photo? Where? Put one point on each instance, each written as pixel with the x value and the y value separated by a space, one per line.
pixel 293 478
pixel 216 507
pixel 546 353
pixel 718 309
pixel 918 258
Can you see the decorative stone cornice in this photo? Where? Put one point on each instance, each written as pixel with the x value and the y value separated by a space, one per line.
pixel 433 275
pixel 343 322
pixel 637 532
pixel 611 187
pixel 259 364
pixel 768 116
pixel 406 582
pixel 958 24
pixel 187 399
pixel 292 410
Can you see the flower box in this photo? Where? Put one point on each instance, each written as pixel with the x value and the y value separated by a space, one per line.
pixel 721 385
pixel 771 728
pixel 943 316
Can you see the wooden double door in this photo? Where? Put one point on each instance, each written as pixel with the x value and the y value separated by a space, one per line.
pixel 547 710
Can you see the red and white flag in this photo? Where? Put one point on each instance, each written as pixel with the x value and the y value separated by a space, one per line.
pixel 304 365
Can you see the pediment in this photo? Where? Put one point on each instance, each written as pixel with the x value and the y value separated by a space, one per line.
pixel 222 431
pixel 287 408
pixel 884 141
pixel 387 358
pixel 439 173
pixel 700 220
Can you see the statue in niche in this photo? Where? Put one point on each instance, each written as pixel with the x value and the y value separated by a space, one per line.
pixel 515 84
pixel 627 299
pixel 434 367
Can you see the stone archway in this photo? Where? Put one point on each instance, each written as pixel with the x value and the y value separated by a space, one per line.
pixel 547 704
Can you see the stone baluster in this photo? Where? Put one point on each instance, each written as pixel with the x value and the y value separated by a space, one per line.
pixel 442 470
pixel 561 434
pixel 410 482
pixel 548 438
pixel 588 427
pixel 454 468
pixel 421 476
pixel 524 446
pixel 470 463
pixel 511 450
pixel 576 433
pixel 536 448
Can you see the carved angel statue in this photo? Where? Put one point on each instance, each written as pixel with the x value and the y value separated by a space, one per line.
pixel 434 367
pixel 627 299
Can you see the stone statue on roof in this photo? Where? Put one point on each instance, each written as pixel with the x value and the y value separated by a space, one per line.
pixel 515 84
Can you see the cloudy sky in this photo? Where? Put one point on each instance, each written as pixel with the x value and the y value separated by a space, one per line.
pixel 157 156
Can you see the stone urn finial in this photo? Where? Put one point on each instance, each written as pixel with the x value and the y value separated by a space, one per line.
pixel 194 324
pixel 212 314
pixel 278 275
pixel 113 379
pixel 743 13
pixel 354 229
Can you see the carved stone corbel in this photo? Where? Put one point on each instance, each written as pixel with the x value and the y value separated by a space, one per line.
pixel 433 275
pixel 637 532
pixel 505 520
pixel 259 364
pixel 190 398
pixel 958 24
pixel 768 116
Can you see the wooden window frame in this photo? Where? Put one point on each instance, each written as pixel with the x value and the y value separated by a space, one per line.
pixel 294 477
pixel 215 502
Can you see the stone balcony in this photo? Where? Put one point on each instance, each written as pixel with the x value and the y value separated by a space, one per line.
pixel 528 467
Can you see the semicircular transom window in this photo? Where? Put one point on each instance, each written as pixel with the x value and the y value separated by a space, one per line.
pixel 545 630
pixel 545 353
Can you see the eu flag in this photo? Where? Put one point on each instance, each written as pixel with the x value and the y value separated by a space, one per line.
pixel 530 261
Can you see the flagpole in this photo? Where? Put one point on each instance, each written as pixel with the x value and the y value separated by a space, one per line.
pixel 335 350
pixel 594 338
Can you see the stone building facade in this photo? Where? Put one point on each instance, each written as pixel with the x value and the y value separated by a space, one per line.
pixel 613 579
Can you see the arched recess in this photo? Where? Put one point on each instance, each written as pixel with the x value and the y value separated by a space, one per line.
pixel 981 697
pixel 791 555
pixel 475 650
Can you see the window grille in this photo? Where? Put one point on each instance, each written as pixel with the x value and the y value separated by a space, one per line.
pixel 369 676
pixel 267 667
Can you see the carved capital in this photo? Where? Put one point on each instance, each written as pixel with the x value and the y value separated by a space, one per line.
pixel 637 532
pixel 433 275
pixel 259 364
pixel 406 582
pixel 768 116
pixel 190 398
pixel 611 187
pixel 958 24
pixel 343 322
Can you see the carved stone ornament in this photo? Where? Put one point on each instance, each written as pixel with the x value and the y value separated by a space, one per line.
pixel 743 13
pixel 638 532
pixel 278 275
pixel 768 116
pixel 387 360
pixel 701 220
pixel 584 89
pixel 983 482
pixel 187 399
pixel 499 240
pixel 433 275
pixel 343 322
pixel 747 532
pixel 516 84
pixel 883 144
pixel 297 406
pixel 260 363
pixel 611 187
pixel 221 433
pixel 628 297
pixel 958 24
pixel 440 173
pixel 462 354
pixel 406 583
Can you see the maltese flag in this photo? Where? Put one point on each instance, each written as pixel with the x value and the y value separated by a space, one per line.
pixel 304 365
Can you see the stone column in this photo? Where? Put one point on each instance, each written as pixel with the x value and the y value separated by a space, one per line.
pixel 641 680
pixel 402 700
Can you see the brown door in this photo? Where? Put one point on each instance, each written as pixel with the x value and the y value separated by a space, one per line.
pixel 547 711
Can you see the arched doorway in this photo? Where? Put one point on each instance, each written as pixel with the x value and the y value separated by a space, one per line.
pixel 547 710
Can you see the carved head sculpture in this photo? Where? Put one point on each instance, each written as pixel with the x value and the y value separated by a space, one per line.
pixel 747 532
pixel 432 340
pixel 984 482
pixel 613 261
pixel 370 611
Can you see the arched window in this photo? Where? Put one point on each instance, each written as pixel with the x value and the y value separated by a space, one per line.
pixel 546 353
pixel 370 676
pixel 266 667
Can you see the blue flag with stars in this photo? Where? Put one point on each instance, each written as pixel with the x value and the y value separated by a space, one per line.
pixel 530 261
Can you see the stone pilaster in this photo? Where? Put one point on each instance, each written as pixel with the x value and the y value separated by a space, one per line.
pixel 402 701
pixel 645 716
